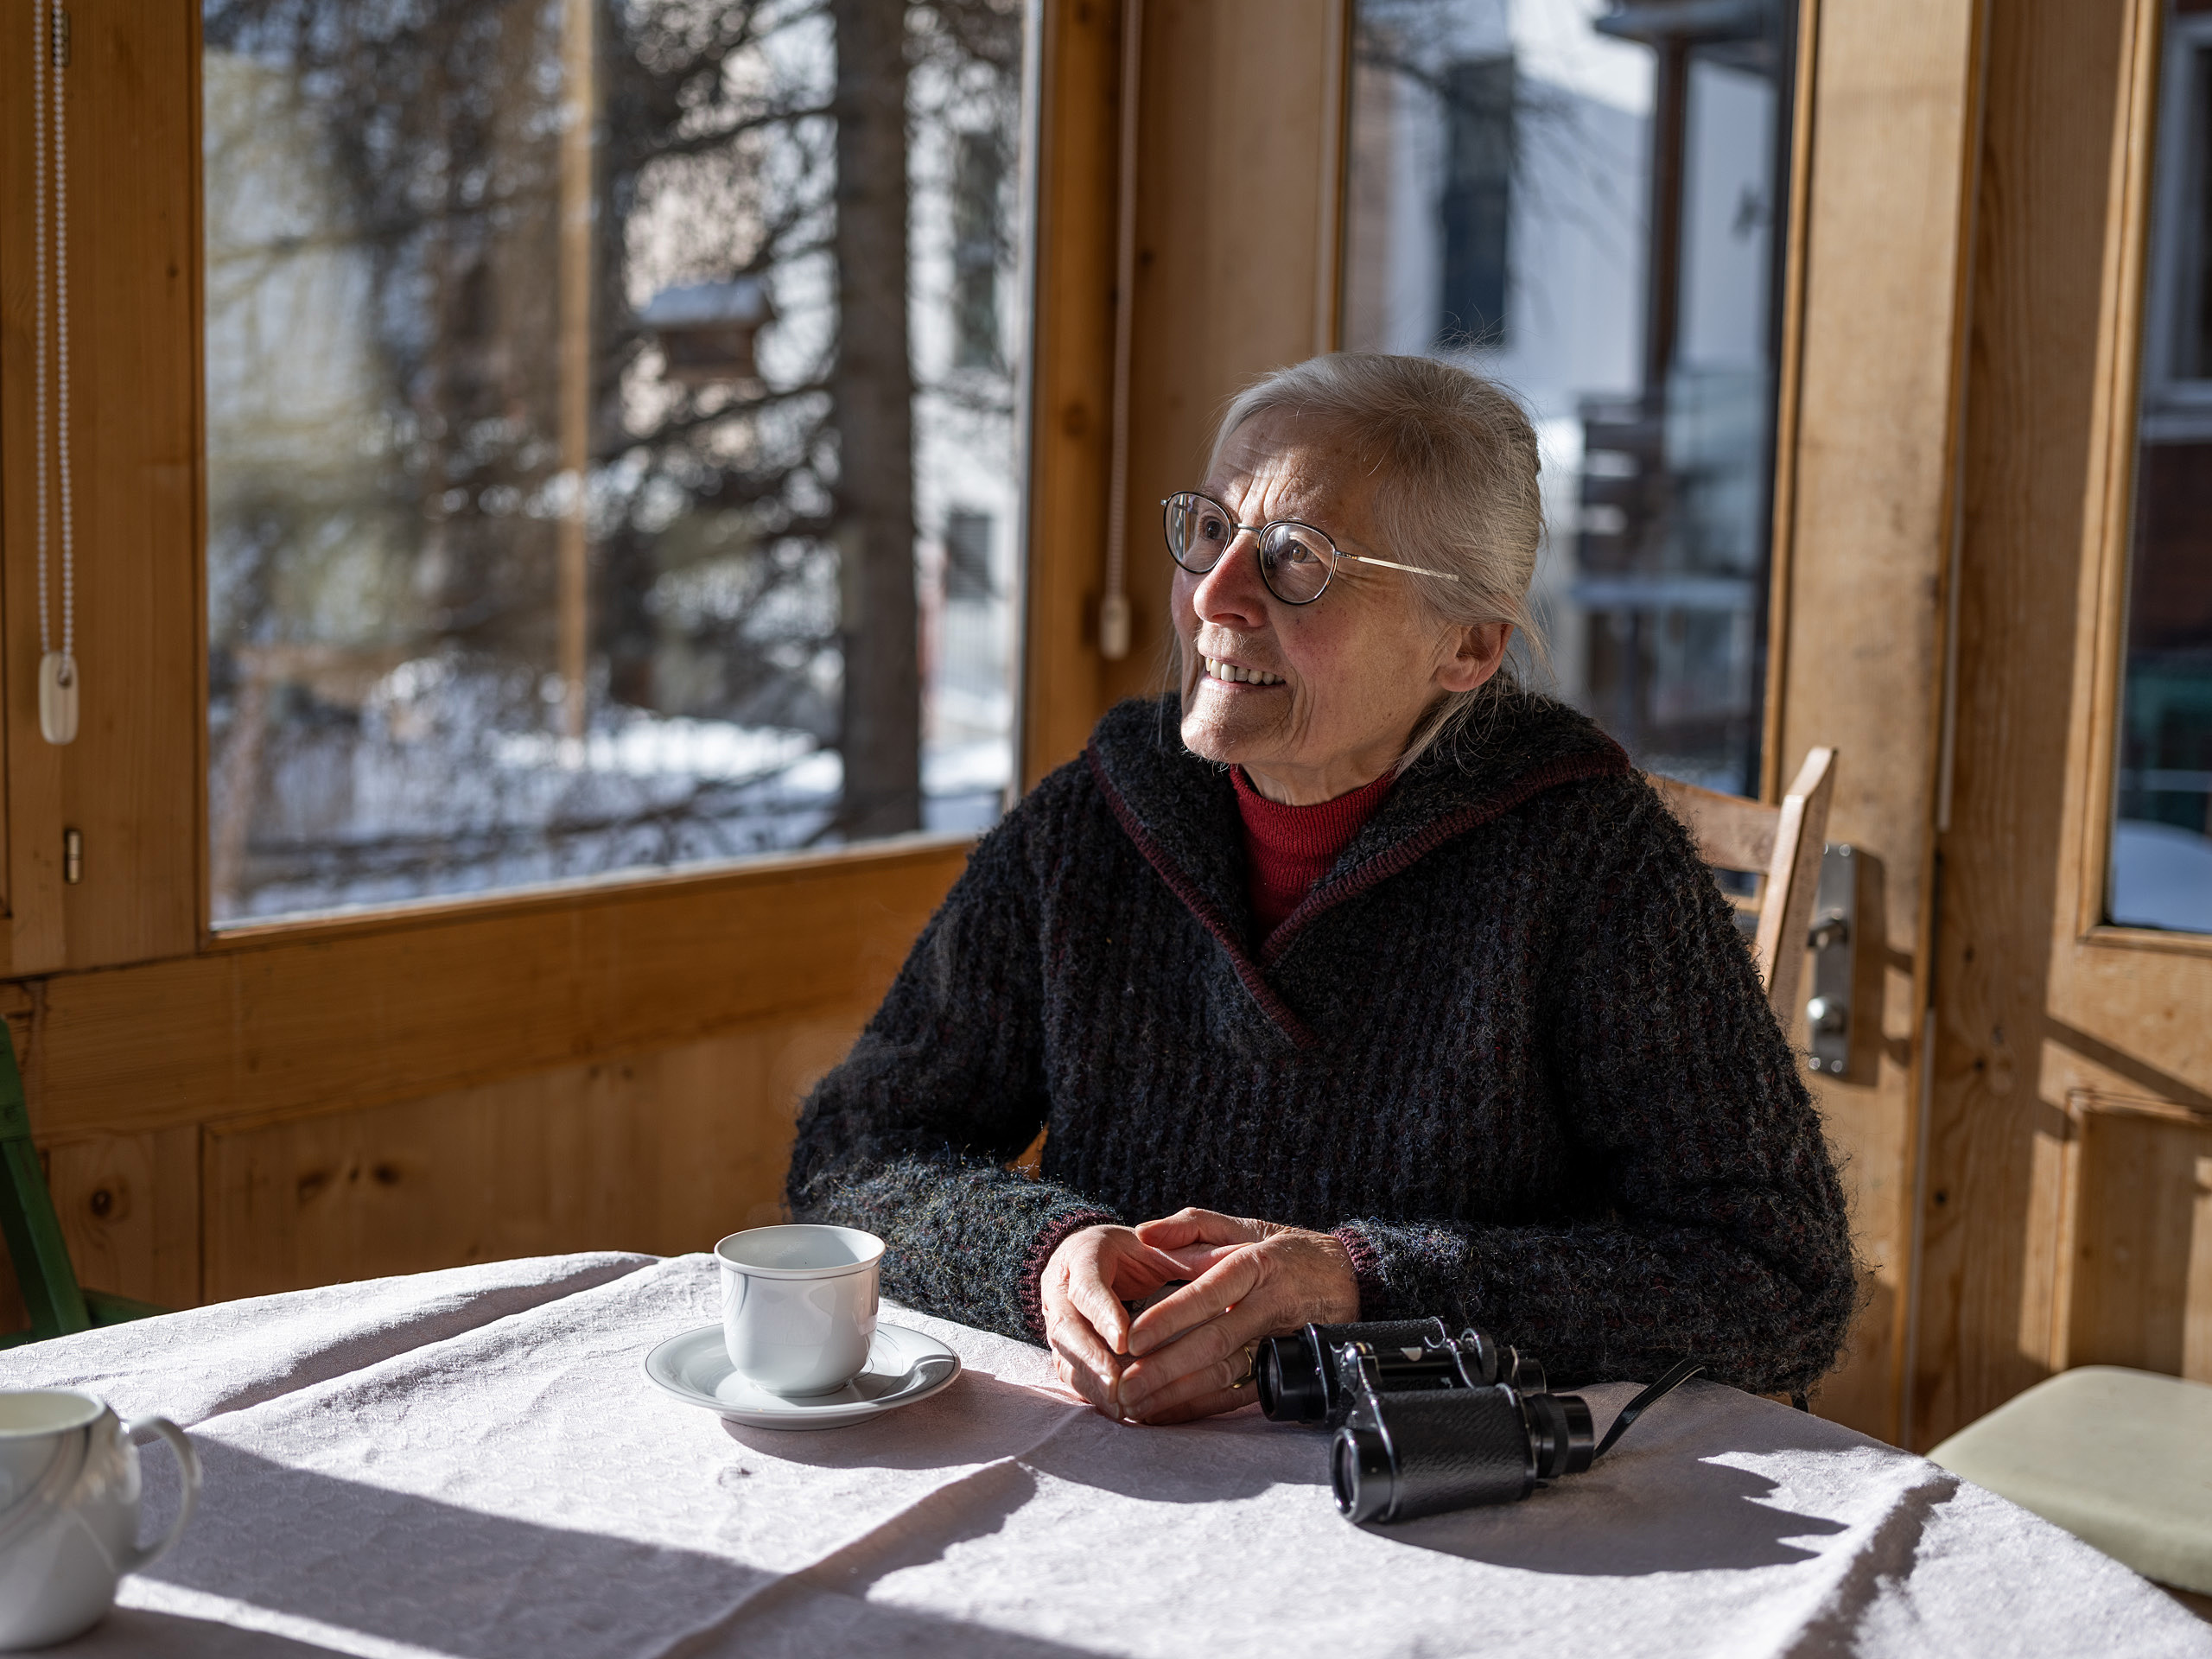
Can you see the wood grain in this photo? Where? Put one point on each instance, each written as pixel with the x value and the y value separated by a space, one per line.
pixel 1070 398
pixel 390 1009
pixel 2141 1251
pixel 1731 832
pixel 1995 1137
pixel 1862 538
pixel 1782 843
pixel 129 1208
pixel 1215 187
pixel 662 1153
pixel 2040 1005
pixel 1793 880
pixel 131 781
pixel 1230 218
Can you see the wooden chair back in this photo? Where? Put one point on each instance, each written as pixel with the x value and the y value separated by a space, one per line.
pixel 58 1305
pixel 1782 845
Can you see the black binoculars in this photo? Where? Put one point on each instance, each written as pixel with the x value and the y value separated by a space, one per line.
pixel 1302 1378
pixel 1422 1421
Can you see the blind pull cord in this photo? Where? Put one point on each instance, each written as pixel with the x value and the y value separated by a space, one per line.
pixel 57 670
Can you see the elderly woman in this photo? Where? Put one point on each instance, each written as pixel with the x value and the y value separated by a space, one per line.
pixel 1349 980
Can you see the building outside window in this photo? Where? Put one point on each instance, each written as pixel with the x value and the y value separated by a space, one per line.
pixel 1582 201
pixel 978 237
pixel 1476 202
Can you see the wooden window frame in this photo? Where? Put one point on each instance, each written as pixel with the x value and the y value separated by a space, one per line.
pixel 2129 315
pixel 135 1011
pixel 160 1052
pixel 136 1014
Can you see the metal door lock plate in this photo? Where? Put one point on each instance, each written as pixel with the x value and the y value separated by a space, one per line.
pixel 1827 1012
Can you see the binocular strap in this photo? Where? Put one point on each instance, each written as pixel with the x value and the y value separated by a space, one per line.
pixel 1677 1374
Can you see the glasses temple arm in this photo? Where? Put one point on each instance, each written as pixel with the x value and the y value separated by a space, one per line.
pixel 1413 569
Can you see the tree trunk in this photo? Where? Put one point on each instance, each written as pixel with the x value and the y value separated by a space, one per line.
pixel 872 385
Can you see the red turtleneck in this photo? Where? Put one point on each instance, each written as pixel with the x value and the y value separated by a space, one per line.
pixel 1288 848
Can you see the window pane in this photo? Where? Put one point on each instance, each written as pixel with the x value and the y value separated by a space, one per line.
pixel 1582 202
pixel 2161 858
pixel 594 484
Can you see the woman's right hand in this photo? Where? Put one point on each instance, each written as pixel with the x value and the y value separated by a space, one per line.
pixel 1081 1289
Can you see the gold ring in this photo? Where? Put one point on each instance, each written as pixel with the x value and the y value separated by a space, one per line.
pixel 1250 1349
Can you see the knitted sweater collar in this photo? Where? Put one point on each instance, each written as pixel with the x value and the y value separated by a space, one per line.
pixel 1181 812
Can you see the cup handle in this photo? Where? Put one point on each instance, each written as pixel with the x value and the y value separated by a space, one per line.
pixel 188 1463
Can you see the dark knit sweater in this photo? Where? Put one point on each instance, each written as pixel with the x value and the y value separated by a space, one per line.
pixel 1512 1049
pixel 1288 848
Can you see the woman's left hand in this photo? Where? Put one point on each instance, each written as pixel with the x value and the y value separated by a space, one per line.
pixel 1254 1278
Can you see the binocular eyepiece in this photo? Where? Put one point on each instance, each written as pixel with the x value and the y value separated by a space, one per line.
pixel 1422 1421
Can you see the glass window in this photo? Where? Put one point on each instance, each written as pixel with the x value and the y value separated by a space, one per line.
pixel 1583 201
pixel 2161 858
pixel 611 455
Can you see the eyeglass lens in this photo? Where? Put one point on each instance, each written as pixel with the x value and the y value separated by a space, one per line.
pixel 1295 560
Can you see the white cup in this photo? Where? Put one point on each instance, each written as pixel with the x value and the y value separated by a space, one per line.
pixel 69 1510
pixel 798 1304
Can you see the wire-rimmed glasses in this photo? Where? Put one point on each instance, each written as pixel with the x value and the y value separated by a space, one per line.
pixel 1296 560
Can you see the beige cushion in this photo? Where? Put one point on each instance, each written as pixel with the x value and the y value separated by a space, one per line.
pixel 2122 1459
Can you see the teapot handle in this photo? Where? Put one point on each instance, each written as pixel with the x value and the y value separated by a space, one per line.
pixel 188 1463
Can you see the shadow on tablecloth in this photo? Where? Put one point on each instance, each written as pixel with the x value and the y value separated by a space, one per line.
pixel 981 1417
pixel 301 1548
pixel 1707 1515
pixel 134 1631
pixel 1673 1498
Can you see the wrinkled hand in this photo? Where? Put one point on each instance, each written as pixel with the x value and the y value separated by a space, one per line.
pixel 1253 1279
pixel 1083 1285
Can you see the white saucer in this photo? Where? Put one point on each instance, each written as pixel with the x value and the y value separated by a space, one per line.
pixel 903 1366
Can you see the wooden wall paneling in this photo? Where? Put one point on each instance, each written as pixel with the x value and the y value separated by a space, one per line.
pixel 1238 229
pixel 396 1006
pixel 2140 1276
pixel 2068 90
pixel 129 1205
pixel 1889 145
pixel 129 1208
pixel 1072 378
pixel 721 1148
pixel 30 836
pixel 1231 279
pixel 663 1152
pixel 130 781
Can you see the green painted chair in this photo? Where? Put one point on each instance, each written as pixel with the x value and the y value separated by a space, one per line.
pixel 58 1305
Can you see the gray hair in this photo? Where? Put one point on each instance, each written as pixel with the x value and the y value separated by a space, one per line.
pixel 1460 461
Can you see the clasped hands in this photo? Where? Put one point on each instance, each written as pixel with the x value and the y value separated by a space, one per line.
pixel 1187 1355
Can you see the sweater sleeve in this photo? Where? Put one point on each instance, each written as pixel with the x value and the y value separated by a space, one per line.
pixel 910 1137
pixel 1725 1238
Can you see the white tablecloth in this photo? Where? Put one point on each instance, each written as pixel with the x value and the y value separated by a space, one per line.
pixel 474 1463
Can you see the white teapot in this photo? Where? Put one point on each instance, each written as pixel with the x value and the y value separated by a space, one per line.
pixel 69 1510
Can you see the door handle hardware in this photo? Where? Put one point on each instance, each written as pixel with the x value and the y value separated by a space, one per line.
pixel 1827 1012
